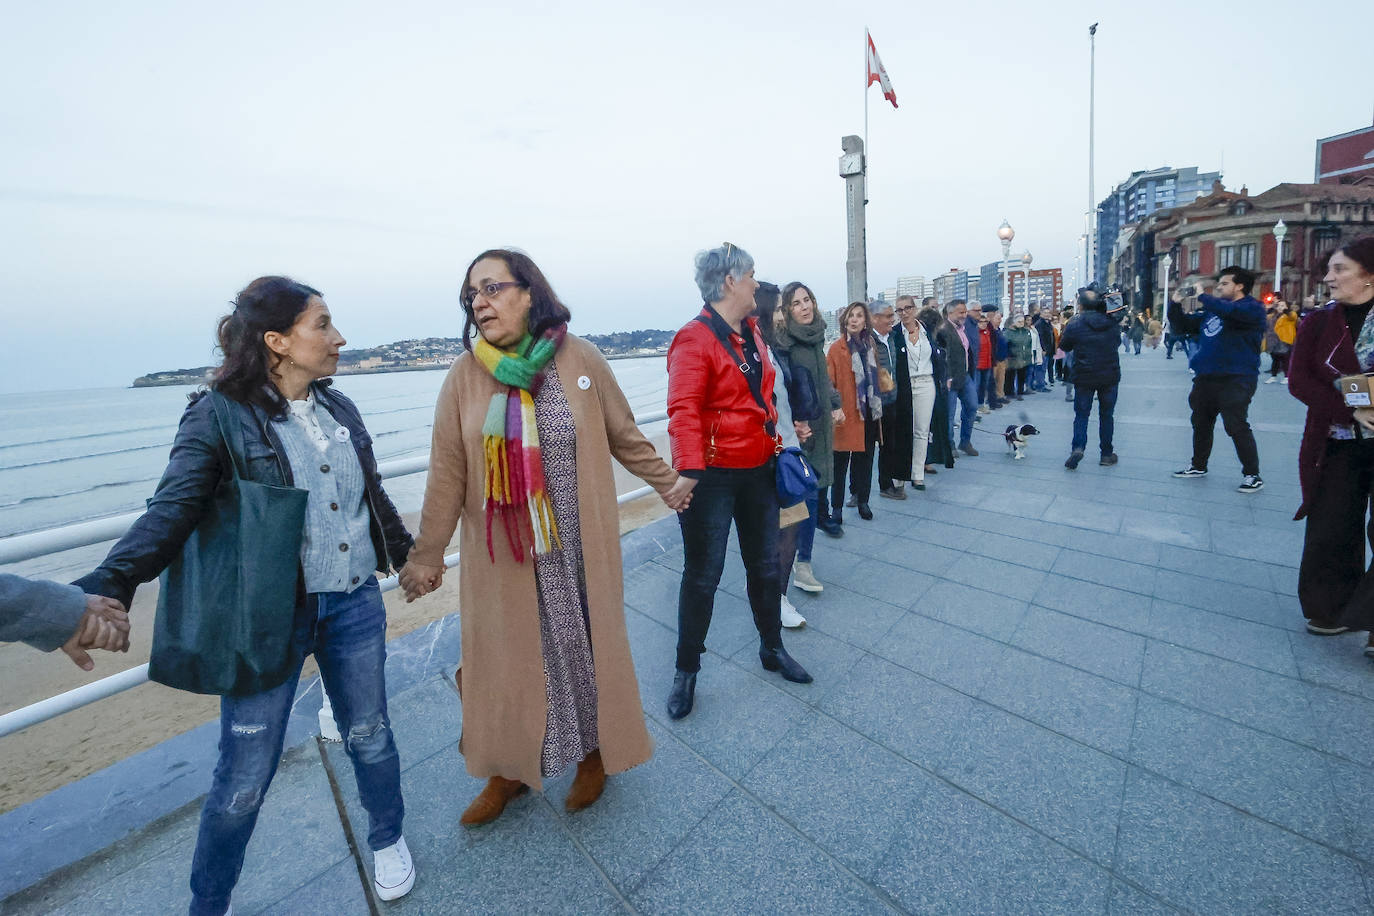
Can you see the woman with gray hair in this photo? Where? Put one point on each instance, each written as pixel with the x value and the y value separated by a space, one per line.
pixel 722 423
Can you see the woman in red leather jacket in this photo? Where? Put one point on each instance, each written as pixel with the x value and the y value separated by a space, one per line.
pixel 722 425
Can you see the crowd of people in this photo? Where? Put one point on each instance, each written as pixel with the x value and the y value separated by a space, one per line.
pixel 526 426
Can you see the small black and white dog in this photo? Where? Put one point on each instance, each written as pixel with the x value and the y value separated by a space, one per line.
pixel 1016 436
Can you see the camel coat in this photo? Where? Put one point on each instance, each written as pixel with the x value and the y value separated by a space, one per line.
pixel 849 434
pixel 501 674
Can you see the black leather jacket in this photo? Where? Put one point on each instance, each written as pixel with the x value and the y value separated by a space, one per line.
pixel 199 461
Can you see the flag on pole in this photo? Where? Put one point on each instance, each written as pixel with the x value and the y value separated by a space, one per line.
pixel 877 74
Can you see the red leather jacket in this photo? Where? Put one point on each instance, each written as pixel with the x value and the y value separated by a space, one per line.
pixel 713 419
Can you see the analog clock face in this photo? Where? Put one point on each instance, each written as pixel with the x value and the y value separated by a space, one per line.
pixel 851 164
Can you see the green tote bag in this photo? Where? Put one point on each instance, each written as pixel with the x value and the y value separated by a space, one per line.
pixel 227 606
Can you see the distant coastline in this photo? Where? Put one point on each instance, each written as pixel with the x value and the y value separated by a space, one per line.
pixel 428 354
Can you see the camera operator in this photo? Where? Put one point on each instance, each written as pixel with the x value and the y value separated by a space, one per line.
pixel 1229 328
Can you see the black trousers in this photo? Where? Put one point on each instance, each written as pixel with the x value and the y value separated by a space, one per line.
pixel 1334 583
pixel 891 466
pixel 1229 396
pixel 749 498
pixel 859 467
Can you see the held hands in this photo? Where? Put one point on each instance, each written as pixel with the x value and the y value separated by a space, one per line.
pixel 803 429
pixel 1365 417
pixel 679 495
pixel 104 625
pixel 837 415
pixel 418 580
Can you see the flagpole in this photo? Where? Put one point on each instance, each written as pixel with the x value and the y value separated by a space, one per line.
pixel 866 84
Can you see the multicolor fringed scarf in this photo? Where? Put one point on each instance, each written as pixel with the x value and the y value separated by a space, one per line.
pixel 514 465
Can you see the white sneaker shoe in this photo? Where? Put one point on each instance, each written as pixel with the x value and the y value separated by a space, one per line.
pixel 393 873
pixel 804 579
pixel 1271 380
pixel 790 618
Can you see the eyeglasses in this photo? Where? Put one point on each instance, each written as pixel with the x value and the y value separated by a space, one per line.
pixel 488 291
pixel 903 309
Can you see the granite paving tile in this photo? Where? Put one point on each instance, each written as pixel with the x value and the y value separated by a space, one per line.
pixel 425 719
pixel 742 859
pixel 849 766
pixel 1259 605
pixel 932 559
pixel 1012 501
pixel 338 892
pixel 954 657
pixel 996 576
pixel 1251 696
pixel 884 581
pixel 1218 634
pixel 1105 651
pixel 919 727
pixel 1087 708
pixel 1083 513
pixel 824 657
pixel 646 811
pixel 859 541
pixel 652 586
pixel 1130 577
pixel 1282 782
pixel 1056 785
pixel 970 608
pixel 1016 550
pixel 1128 901
pixel 957 855
pixel 945 534
pixel 1282 546
pixel 850 618
pixel 1337 662
pixel 1098 603
pixel 1116 546
pixel 1207 857
pixel 1166 527
pixel 1351 781
pixel 1216 567
pixel 1343 723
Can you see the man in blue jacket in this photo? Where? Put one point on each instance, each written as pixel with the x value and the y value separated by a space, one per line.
pixel 1229 329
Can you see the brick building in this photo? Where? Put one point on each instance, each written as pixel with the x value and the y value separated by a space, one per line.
pixel 1346 158
pixel 1233 228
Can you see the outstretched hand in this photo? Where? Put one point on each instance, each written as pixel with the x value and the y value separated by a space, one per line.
pixel 104 625
pixel 419 579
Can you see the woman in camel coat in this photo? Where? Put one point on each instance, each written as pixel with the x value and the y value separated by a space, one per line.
pixel 856 436
pixel 514 658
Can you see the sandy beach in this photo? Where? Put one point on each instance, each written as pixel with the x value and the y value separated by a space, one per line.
pixel 50 755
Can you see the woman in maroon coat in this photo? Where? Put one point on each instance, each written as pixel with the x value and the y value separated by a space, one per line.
pixel 1336 460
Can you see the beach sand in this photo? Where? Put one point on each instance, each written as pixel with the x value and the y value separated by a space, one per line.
pixel 47 756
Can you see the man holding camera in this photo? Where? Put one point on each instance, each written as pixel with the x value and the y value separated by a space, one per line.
pixel 1229 328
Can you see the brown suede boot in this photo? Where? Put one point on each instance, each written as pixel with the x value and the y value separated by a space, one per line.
pixel 586 788
pixel 492 800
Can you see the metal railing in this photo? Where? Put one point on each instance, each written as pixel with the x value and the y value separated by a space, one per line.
pixel 85 534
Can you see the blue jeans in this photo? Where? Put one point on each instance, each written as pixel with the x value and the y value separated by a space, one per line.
pixel 806 529
pixel 347 634
pixel 985 386
pixel 967 395
pixel 1083 406
pixel 749 498
pixel 1047 371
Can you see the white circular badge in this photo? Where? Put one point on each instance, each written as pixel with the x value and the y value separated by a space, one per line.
pixel 583 382
pixel 341 434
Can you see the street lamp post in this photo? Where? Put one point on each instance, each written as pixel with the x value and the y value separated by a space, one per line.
pixel 1005 233
pixel 1280 231
pixel 1026 263
pixel 1166 263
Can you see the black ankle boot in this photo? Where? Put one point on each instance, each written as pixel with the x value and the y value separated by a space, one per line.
pixel 683 693
pixel 778 660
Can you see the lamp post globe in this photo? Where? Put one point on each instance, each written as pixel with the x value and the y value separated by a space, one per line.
pixel 1005 232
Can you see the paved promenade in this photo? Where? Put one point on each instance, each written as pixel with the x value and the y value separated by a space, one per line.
pixel 1036 691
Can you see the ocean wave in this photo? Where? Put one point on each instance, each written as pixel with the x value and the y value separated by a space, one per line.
pixel 118 451
pixel 30 500
pixel 114 432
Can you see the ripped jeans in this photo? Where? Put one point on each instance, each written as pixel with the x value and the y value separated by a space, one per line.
pixel 347 634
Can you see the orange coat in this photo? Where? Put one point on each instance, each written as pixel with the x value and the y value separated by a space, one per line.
pixel 849 432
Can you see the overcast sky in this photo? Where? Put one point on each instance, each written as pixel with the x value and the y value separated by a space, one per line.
pixel 158 156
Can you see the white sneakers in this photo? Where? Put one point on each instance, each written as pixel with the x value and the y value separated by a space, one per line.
pixel 393 873
pixel 1271 380
pixel 804 579
pixel 790 618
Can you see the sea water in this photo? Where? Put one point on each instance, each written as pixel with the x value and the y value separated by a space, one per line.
pixel 70 456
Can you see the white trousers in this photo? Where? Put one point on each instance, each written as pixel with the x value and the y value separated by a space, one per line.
pixel 922 406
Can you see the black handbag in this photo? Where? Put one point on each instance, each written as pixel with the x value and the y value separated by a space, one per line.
pixel 226 609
